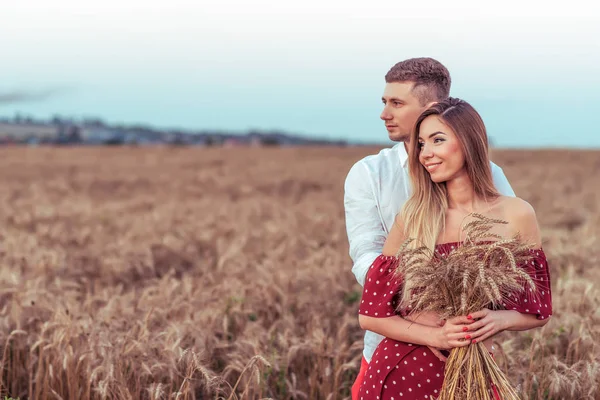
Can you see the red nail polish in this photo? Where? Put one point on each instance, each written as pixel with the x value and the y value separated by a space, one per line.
pixel 465 329
pixel 469 337
pixel 469 317
pixel 474 341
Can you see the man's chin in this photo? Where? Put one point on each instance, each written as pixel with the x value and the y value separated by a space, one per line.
pixel 396 137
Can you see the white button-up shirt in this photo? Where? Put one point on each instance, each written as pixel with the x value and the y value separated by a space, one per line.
pixel 375 190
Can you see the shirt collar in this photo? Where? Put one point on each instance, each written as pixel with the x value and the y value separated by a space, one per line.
pixel 402 154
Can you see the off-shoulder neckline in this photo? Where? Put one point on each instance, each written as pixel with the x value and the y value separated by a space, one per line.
pixel 456 244
pixel 452 245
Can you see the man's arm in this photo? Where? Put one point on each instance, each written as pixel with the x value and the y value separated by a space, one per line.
pixel 365 230
pixel 501 182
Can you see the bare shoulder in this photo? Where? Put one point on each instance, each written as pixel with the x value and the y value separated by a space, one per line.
pixel 522 219
pixel 516 207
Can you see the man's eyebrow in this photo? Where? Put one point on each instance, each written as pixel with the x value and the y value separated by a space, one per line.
pixel 392 99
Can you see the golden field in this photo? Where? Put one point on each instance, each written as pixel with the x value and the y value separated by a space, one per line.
pixel 180 273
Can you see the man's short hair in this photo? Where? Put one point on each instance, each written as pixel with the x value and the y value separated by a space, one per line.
pixel 431 78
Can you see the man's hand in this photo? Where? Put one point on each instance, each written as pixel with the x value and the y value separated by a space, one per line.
pixel 438 354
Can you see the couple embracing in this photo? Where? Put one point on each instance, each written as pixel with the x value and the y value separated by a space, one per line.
pixel 428 187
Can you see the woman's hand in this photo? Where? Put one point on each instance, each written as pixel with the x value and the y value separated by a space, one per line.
pixel 431 319
pixel 488 323
pixel 453 333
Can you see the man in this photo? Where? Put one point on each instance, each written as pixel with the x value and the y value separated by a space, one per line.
pixel 378 185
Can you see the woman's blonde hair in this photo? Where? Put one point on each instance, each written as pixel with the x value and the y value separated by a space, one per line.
pixel 424 213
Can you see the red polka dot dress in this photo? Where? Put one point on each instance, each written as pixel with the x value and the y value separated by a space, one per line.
pixel 400 370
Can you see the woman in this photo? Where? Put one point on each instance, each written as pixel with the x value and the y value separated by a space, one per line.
pixel 451 179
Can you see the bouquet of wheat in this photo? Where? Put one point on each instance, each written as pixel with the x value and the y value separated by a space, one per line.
pixel 484 271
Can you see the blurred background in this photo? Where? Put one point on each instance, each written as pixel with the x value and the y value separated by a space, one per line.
pixel 312 69
pixel 172 179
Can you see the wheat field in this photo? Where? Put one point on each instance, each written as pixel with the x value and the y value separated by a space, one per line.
pixel 190 273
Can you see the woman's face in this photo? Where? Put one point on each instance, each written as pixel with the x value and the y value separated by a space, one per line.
pixel 440 151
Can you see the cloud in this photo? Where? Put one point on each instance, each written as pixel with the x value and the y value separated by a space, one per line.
pixel 23 96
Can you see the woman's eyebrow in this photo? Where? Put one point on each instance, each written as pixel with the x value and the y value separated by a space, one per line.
pixel 436 133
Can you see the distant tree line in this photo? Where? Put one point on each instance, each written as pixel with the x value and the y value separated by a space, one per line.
pixel 58 130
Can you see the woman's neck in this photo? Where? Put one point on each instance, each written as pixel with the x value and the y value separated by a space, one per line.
pixel 461 195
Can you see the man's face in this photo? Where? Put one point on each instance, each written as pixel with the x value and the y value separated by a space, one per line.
pixel 400 110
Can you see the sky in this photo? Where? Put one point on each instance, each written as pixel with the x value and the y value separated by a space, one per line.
pixel 311 67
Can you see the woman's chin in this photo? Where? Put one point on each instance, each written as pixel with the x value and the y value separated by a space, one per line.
pixel 437 178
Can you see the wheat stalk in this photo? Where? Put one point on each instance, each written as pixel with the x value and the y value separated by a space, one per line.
pixel 480 273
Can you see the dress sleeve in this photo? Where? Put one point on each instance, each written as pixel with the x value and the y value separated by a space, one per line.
pixel 381 285
pixel 536 301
